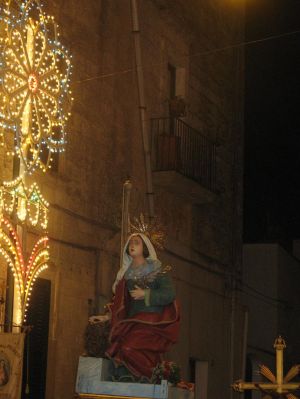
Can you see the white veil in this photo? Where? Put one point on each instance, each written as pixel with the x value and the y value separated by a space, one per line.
pixel 127 259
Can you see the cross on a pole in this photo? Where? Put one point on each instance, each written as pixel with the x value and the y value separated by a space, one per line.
pixel 279 386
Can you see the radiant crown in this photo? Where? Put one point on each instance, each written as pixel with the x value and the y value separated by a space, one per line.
pixel 152 228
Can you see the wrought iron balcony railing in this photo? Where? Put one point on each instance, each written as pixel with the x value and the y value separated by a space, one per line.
pixel 175 146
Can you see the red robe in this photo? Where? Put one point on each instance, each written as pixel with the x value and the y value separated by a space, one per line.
pixel 139 342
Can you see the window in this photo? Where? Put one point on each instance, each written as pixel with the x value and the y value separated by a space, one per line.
pixel 176 93
pixel 177 81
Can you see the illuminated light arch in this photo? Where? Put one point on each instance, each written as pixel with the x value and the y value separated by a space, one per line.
pixel 35 96
pixel 25 274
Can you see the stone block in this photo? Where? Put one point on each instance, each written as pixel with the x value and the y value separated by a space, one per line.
pixel 92 378
pixel 129 389
pixel 91 371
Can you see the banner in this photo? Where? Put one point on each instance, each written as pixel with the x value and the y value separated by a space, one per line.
pixel 11 365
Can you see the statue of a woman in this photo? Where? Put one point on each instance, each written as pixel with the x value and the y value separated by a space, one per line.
pixel 144 318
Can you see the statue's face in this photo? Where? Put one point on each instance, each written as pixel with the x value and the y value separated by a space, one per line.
pixel 135 247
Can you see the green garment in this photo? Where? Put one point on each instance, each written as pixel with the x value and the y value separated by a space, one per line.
pixel 159 293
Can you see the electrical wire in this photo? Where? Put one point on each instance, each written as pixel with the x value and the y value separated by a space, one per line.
pixel 201 53
pixel 264 295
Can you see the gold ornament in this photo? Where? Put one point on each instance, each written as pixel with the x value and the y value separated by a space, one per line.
pixel 279 386
pixel 152 228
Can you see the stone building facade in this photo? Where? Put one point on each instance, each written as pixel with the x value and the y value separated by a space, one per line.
pixel 188 53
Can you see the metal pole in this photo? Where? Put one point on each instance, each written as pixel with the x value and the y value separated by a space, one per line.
pixel 125 228
pixel 142 105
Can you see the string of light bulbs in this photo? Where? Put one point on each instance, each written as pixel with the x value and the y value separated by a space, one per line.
pixel 25 274
pixel 35 95
pixel 27 204
pixel 35 102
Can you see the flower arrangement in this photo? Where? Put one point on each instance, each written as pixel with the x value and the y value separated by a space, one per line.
pixel 166 370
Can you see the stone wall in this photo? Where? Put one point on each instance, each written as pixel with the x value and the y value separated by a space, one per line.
pixel 105 147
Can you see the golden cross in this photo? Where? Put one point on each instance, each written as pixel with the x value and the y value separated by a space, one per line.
pixel 279 386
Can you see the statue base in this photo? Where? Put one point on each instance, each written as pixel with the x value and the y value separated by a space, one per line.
pixel 92 383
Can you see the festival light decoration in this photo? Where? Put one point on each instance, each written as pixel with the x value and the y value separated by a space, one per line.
pixel 35 96
pixel 27 205
pixel 24 273
pixel 35 102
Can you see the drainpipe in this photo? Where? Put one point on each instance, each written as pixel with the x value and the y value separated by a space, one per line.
pixel 245 340
pixel 237 192
pixel 232 332
pixel 142 105
pixel 125 228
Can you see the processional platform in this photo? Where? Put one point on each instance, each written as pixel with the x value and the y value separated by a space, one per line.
pixel 92 383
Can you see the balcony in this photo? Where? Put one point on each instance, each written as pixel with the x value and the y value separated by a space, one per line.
pixel 181 153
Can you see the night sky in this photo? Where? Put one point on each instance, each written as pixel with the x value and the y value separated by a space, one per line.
pixel 272 123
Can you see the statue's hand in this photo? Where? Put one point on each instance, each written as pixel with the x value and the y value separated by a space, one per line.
pixel 138 293
pixel 102 318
